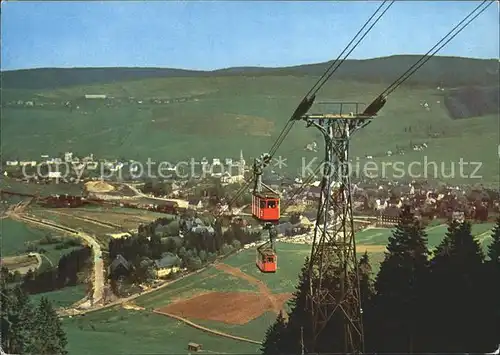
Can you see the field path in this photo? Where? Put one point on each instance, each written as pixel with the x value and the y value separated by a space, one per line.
pixel 434 227
pixel 263 289
pixel 205 329
pixel 86 219
pixel 98 280
pixel 39 257
pixel 9 260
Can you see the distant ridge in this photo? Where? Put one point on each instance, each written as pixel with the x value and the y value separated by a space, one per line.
pixel 450 71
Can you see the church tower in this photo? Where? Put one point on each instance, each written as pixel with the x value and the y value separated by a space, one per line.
pixel 241 165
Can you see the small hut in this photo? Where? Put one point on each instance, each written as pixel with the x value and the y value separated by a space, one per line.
pixel 194 347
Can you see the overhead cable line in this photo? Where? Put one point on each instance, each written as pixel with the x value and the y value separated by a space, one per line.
pixel 308 99
pixel 359 40
pixel 380 101
pixel 424 59
pixel 438 46
pixel 303 186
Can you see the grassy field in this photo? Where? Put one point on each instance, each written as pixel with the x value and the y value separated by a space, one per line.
pixel 129 219
pixel 434 234
pixel 233 113
pixel 73 222
pixel 209 280
pixel 118 331
pixel 64 297
pixel 123 211
pixel 42 189
pixel 116 220
pixel 98 231
pixel 16 234
pixel 124 326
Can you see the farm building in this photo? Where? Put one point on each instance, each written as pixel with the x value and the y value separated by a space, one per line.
pixel 195 203
pixel 120 266
pixel 194 347
pixel 95 96
pixel 389 217
pixel 164 266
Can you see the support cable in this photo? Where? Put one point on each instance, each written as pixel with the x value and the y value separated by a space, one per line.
pixel 381 99
pixel 308 99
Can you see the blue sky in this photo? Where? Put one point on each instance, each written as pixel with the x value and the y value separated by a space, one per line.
pixel 210 35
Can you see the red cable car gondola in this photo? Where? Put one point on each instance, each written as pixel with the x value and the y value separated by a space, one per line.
pixel 266 209
pixel 267 259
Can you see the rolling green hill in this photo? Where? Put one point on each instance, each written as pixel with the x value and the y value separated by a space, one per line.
pixel 217 114
pixel 437 71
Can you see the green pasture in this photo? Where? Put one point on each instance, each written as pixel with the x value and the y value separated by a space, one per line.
pixel 210 279
pixel 253 330
pixel 15 234
pixel 73 222
pixel 435 234
pixel 124 211
pixel 119 331
pixel 133 331
pixel 10 184
pixel 290 261
pixel 64 297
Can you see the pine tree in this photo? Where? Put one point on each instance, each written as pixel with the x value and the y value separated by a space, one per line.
pixel 400 287
pixel 21 317
pixel 299 323
pixel 365 280
pixel 494 247
pixel 444 248
pixel 367 293
pixel 49 335
pixel 329 336
pixel 493 282
pixel 4 275
pixel 455 293
pixel 275 337
pixel 5 304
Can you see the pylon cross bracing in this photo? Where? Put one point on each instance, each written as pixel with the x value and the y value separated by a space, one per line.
pixel 333 253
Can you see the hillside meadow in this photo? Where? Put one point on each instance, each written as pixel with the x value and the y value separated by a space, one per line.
pixel 16 236
pixel 219 116
pixel 134 331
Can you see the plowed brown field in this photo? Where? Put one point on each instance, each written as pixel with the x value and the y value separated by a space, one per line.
pixel 229 307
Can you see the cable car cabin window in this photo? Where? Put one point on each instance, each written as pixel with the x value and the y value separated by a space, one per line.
pixel 272 204
pixel 262 204
pixel 270 260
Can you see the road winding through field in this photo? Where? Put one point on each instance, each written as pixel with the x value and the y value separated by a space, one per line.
pixel 9 260
pixel 98 280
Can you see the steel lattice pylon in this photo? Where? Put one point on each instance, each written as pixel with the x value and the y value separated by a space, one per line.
pixel 333 250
